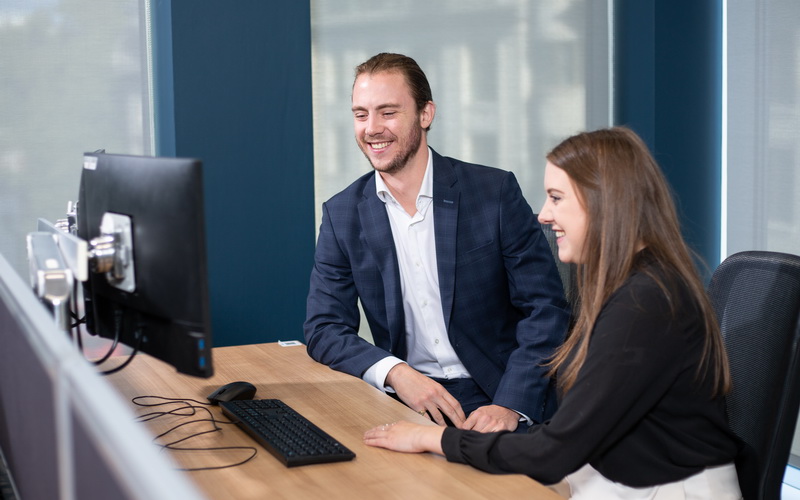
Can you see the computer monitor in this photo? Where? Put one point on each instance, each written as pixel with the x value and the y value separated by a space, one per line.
pixel 152 294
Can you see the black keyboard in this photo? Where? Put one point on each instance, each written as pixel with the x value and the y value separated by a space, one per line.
pixel 292 438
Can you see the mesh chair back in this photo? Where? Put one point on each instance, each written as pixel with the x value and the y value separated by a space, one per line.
pixel 757 299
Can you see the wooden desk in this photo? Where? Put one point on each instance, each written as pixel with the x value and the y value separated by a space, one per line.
pixel 342 405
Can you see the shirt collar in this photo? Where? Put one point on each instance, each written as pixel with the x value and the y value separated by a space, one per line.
pixel 425 190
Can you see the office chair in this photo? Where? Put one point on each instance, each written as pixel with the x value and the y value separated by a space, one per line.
pixel 756 296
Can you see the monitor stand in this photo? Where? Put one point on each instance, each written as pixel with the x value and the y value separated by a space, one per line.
pixel 50 276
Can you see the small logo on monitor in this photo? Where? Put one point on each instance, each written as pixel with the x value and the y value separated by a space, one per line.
pixel 90 162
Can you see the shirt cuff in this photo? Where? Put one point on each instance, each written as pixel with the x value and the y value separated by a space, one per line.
pixel 524 418
pixel 376 374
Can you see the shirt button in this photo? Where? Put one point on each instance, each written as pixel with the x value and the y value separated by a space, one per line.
pixel 436 341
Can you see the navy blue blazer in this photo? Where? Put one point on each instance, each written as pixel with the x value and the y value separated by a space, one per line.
pixel 502 298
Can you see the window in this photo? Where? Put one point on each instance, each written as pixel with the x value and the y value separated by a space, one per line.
pixel 74 79
pixel 510 79
pixel 763 124
pixel 762 209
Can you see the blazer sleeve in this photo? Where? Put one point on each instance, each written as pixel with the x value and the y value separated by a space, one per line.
pixel 536 290
pixel 332 315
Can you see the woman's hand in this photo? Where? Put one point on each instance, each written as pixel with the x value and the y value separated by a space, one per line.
pixel 406 437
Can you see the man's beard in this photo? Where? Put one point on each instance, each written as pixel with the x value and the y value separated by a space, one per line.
pixel 402 157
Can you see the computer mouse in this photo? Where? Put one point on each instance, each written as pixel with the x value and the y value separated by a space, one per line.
pixel 232 391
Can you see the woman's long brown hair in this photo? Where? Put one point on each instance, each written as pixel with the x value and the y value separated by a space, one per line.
pixel 628 205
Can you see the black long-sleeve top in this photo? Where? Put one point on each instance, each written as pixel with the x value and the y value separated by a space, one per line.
pixel 638 413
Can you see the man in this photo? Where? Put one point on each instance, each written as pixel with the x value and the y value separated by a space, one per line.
pixel 455 277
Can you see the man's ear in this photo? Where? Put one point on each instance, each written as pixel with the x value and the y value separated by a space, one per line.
pixel 427 114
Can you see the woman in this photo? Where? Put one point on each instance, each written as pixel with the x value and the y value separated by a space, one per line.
pixel 644 371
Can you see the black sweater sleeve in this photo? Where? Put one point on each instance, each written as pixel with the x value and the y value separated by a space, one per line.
pixel 634 411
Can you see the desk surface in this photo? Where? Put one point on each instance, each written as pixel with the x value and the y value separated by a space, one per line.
pixel 342 405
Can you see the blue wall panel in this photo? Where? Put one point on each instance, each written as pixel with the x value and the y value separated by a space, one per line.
pixel 239 98
pixel 669 81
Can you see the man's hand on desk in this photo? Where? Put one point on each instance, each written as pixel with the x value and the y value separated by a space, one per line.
pixel 422 394
pixel 492 418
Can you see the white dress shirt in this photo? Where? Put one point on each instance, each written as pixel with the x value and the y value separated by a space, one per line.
pixel 429 348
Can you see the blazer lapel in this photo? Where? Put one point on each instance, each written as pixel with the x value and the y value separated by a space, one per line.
pixel 445 208
pixel 378 236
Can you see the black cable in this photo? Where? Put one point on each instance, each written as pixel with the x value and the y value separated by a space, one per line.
pixel 166 400
pixel 186 405
pixel 139 336
pixel 215 429
pixel 77 321
pixel 216 467
pixel 110 351
pixel 146 417
pixel 115 341
pixel 74 327
pixel 117 334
